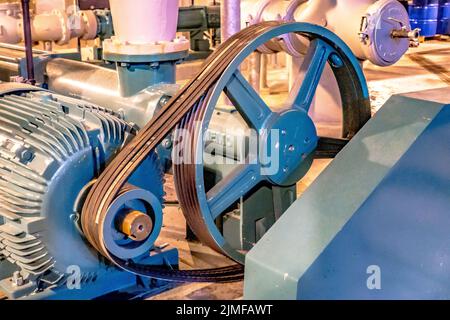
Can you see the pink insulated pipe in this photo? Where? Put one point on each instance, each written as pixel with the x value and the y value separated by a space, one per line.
pixel 144 21
pixel 56 26
pixel 230 18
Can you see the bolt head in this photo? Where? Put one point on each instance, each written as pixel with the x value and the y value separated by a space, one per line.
pixel 17 279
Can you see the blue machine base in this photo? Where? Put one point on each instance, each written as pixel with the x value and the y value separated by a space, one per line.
pixel 403 228
pixel 375 224
pixel 111 282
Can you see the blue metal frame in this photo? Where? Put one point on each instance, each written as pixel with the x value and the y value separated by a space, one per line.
pixel 382 203
pixel 137 72
pixel 402 228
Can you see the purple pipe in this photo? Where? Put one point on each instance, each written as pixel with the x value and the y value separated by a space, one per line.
pixel 28 40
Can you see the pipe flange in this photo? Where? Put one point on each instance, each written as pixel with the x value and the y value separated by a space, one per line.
pixel 292 44
pixel 265 48
pixel 115 46
pixel 91 25
pixel 377 42
pixel 10 9
pixel 64 20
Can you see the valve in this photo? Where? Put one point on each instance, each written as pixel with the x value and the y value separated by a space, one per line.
pixel 404 33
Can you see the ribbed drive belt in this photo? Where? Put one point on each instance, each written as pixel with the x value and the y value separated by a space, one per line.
pixel 116 174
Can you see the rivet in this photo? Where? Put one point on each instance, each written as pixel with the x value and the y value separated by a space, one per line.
pixel 336 61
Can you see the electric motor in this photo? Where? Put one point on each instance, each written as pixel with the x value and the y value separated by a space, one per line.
pixel 51 150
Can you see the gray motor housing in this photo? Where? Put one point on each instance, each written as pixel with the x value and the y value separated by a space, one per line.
pixel 51 149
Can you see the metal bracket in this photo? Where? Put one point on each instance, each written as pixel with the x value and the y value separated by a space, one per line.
pixel 363 36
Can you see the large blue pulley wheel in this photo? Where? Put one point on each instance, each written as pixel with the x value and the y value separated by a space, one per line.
pixel 288 134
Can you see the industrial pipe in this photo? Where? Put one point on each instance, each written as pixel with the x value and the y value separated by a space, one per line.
pixel 364 25
pixel 55 26
pixel 230 19
pixel 198 18
pixel 100 86
pixel 145 48
pixel 144 21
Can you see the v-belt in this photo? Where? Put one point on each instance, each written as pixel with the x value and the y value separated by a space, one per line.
pixel 116 174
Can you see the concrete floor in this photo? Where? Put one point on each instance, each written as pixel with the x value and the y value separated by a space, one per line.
pixel 423 68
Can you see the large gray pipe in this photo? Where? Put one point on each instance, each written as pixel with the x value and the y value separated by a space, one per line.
pixel 84 81
pixel 100 86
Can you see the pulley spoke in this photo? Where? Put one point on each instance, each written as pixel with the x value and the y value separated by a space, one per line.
pixel 232 187
pixel 304 88
pixel 248 102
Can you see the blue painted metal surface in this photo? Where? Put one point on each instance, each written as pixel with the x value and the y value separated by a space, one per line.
pixel 107 284
pixel 402 228
pixel 383 203
pixel 444 17
pixel 425 2
pixel 138 72
pixel 424 17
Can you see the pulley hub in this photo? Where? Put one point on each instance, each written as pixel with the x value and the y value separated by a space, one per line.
pixel 135 224
pixel 132 223
pixel 290 138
